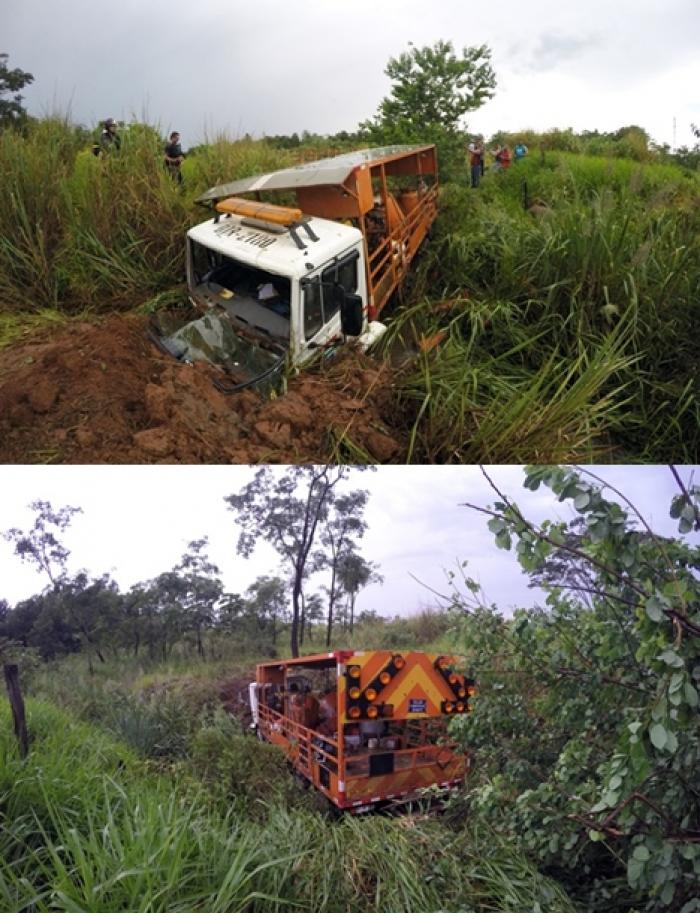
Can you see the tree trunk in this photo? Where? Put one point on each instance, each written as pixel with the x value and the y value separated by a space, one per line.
pixel 302 625
pixel 352 611
pixel 17 705
pixel 296 595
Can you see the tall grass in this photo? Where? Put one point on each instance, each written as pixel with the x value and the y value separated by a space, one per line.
pixel 568 334
pixel 87 829
pixel 102 232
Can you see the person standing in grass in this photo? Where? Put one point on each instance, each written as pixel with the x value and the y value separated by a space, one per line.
pixel 476 160
pixel 109 138
pixel 174 157
pixel 519 152
pixel 501 155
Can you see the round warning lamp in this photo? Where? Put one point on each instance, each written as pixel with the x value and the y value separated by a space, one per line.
pixel 399 662
pixel 354 693
pixel 372 712
pixel 449 707
pixel 354 671
pixel 371 694
pixel 354 712
pixel 385 678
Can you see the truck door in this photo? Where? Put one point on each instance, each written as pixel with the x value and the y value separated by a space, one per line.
pixel 320 321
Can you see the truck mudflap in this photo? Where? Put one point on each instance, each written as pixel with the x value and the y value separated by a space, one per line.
pixel 212 339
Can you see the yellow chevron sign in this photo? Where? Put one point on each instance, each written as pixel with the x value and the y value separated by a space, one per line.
pixel 418 689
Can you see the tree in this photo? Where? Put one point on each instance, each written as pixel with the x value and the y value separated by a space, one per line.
pixel 312 613
pixel 586 728
pixel 341 528
pixel 91 609
pixel 267 601
pixel 286 512
pixel 200 592
pixel 432 89
pixel 432 85
pixel 11 110
pixel 41 545
pixel 354 574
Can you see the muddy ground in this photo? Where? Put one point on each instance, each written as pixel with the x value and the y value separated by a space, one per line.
pixel 104 393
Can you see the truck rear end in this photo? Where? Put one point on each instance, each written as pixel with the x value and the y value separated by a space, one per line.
pixel 366 728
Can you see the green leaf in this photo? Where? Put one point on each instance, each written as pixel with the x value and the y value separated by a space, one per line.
pixel 496 525
pixel 641 852
pixel 596 836
pixel 667 893
pixel 582 501
pixel 503 540
pixel 691 695
pixel 671 742
pixel 671 658
pixel 611 798
pixel 688 513
pixel 634 870
pixel 676 682
pixel 658 735
pixel 677 506
pixel 654 608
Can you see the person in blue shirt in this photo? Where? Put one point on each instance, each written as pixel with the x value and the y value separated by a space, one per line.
pixel 520 151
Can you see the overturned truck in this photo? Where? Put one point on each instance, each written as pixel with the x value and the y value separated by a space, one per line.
pixel 276 283
pixel 365 728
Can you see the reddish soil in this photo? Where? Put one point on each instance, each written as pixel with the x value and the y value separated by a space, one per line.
pixel 103 393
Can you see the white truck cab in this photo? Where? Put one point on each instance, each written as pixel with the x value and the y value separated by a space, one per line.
pixel 282 296
pixel 275 284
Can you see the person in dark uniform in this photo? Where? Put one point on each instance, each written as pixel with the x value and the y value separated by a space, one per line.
pixel 174 157
pixel 109 138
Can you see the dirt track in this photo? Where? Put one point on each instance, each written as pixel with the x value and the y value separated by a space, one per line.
pixel 103 393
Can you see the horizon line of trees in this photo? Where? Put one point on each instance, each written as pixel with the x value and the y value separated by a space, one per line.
pixel 432 89
pixel 314 528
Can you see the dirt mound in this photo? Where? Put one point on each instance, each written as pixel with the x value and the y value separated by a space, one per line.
pixel 103 393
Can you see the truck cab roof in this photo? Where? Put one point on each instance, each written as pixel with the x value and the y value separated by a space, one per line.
pixel 272 251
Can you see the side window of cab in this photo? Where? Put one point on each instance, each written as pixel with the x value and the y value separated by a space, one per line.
pixel 320 304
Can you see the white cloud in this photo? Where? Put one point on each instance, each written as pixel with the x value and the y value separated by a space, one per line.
pixel 277 67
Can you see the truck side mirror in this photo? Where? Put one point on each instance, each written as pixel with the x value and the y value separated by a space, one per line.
pixel 350 314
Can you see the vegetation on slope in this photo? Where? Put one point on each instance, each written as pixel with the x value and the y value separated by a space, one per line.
pixel 553 312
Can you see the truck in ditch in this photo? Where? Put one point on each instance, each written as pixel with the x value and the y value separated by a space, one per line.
pixel 368 728
pixel 276 283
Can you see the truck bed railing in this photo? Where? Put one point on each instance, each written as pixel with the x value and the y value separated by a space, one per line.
pixel 309 745
pixel 387 263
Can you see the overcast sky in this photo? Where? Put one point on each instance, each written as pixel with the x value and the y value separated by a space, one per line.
pixel 279 67
pixel 138 520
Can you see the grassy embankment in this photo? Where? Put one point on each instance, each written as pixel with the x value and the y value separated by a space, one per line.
pixel 560 333
pixel 193 815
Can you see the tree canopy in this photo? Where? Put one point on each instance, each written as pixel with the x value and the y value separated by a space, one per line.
pixel 586 730
pixel 11 81
pixel 432 89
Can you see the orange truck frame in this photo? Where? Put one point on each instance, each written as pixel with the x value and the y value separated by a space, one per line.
pixel 366 728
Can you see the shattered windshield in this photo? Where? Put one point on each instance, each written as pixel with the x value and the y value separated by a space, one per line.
pixel 212 338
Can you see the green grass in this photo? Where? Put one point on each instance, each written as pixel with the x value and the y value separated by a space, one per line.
pixel 571 335
pixel 568 336
pixel 87 828
pixel 105 232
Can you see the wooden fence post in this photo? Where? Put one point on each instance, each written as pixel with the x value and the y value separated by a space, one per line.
pixel 17 704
